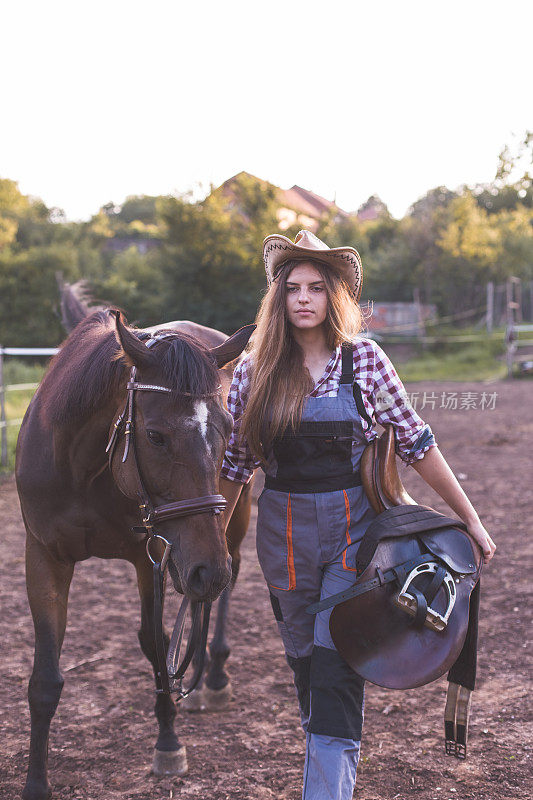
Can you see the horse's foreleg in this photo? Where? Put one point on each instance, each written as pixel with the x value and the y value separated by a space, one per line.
pixel 48 583
pixel 213 691
pixel 217 691
pixel 170 756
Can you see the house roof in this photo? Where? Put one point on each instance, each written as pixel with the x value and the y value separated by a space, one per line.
pixel 309 203
pixel 296 198
pixel 228 184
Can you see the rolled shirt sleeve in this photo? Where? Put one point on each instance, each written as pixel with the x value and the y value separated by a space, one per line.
pixel 239 462
pixel 391 405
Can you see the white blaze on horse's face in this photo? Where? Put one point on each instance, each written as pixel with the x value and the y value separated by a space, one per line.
pixel 201 414
pixel 199 420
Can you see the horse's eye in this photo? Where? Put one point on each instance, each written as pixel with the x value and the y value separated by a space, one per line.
pixel 156 438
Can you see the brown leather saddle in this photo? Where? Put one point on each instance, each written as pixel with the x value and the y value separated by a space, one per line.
pixel 412 613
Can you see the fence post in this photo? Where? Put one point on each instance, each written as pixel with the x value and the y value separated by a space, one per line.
pixel 3 425
pixel 490 306
pixel 421 328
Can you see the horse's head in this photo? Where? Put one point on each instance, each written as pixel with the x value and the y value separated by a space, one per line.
pixel 176 445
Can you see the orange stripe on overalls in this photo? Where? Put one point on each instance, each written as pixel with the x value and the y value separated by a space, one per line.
pixel 348 538
pixel 290 553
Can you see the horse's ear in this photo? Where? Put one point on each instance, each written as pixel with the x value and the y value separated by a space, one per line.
pixel 134 352
pixel 233 346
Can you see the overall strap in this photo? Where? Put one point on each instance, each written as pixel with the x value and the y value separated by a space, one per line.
pixel 347 363
pixel 347 376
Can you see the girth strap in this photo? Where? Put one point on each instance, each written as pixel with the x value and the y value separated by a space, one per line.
pixel 456 716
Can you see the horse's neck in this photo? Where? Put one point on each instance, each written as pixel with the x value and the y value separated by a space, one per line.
pixel 80 447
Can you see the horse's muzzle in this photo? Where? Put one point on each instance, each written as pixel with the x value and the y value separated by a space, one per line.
pixel 202 581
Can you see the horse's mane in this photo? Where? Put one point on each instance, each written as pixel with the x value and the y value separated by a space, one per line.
pixel 88 370
pixel 76 302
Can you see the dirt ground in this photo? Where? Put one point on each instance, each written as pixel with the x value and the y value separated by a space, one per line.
pixel 103 733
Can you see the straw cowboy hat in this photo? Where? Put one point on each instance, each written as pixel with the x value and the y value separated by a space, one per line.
pixel 345 261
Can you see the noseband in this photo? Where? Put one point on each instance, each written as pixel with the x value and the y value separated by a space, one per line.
pixel 170 673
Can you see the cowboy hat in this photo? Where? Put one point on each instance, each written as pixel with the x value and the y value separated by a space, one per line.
pixel 345 261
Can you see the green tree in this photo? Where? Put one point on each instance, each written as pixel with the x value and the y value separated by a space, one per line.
pixel 134 283
pixel 211 257
pixel 142 208
pixel 512 186
pixel 29 294
pixel 205 263
pixel 13 204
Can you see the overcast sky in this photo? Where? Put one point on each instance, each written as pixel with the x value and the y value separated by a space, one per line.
pixel 105 99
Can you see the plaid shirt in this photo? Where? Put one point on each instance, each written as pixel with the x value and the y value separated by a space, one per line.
pixel 384 397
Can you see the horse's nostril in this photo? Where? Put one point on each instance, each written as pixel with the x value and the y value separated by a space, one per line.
pixel 199 580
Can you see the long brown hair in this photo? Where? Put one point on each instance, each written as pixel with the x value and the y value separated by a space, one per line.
pixel 280 381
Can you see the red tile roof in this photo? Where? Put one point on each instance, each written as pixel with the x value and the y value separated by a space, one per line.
pixel 309 203
pixel 296 198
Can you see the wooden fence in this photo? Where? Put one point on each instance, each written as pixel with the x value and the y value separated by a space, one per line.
pixel 14 387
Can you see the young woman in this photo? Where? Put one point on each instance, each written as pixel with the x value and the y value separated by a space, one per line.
pixel 304 401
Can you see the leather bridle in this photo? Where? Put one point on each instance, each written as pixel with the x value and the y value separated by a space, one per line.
pixel 170 671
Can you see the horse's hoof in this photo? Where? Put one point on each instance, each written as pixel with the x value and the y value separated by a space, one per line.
pixel 217 699
pixel 194 702
pixel 36 790
pixel 171 762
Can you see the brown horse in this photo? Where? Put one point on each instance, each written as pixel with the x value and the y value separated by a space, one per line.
pixel 214 690
pixel 76 505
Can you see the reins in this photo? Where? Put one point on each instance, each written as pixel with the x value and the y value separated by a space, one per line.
pixel 170 671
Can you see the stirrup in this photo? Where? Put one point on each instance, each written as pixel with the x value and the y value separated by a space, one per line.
pixel 435 621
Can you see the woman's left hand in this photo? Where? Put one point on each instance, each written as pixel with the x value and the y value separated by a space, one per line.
pixel 436 471
pixel 480 535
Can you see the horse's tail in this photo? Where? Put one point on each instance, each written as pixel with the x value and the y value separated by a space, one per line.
pixel 76 303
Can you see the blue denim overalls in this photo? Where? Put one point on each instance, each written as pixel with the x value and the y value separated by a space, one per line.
pixel 312 515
